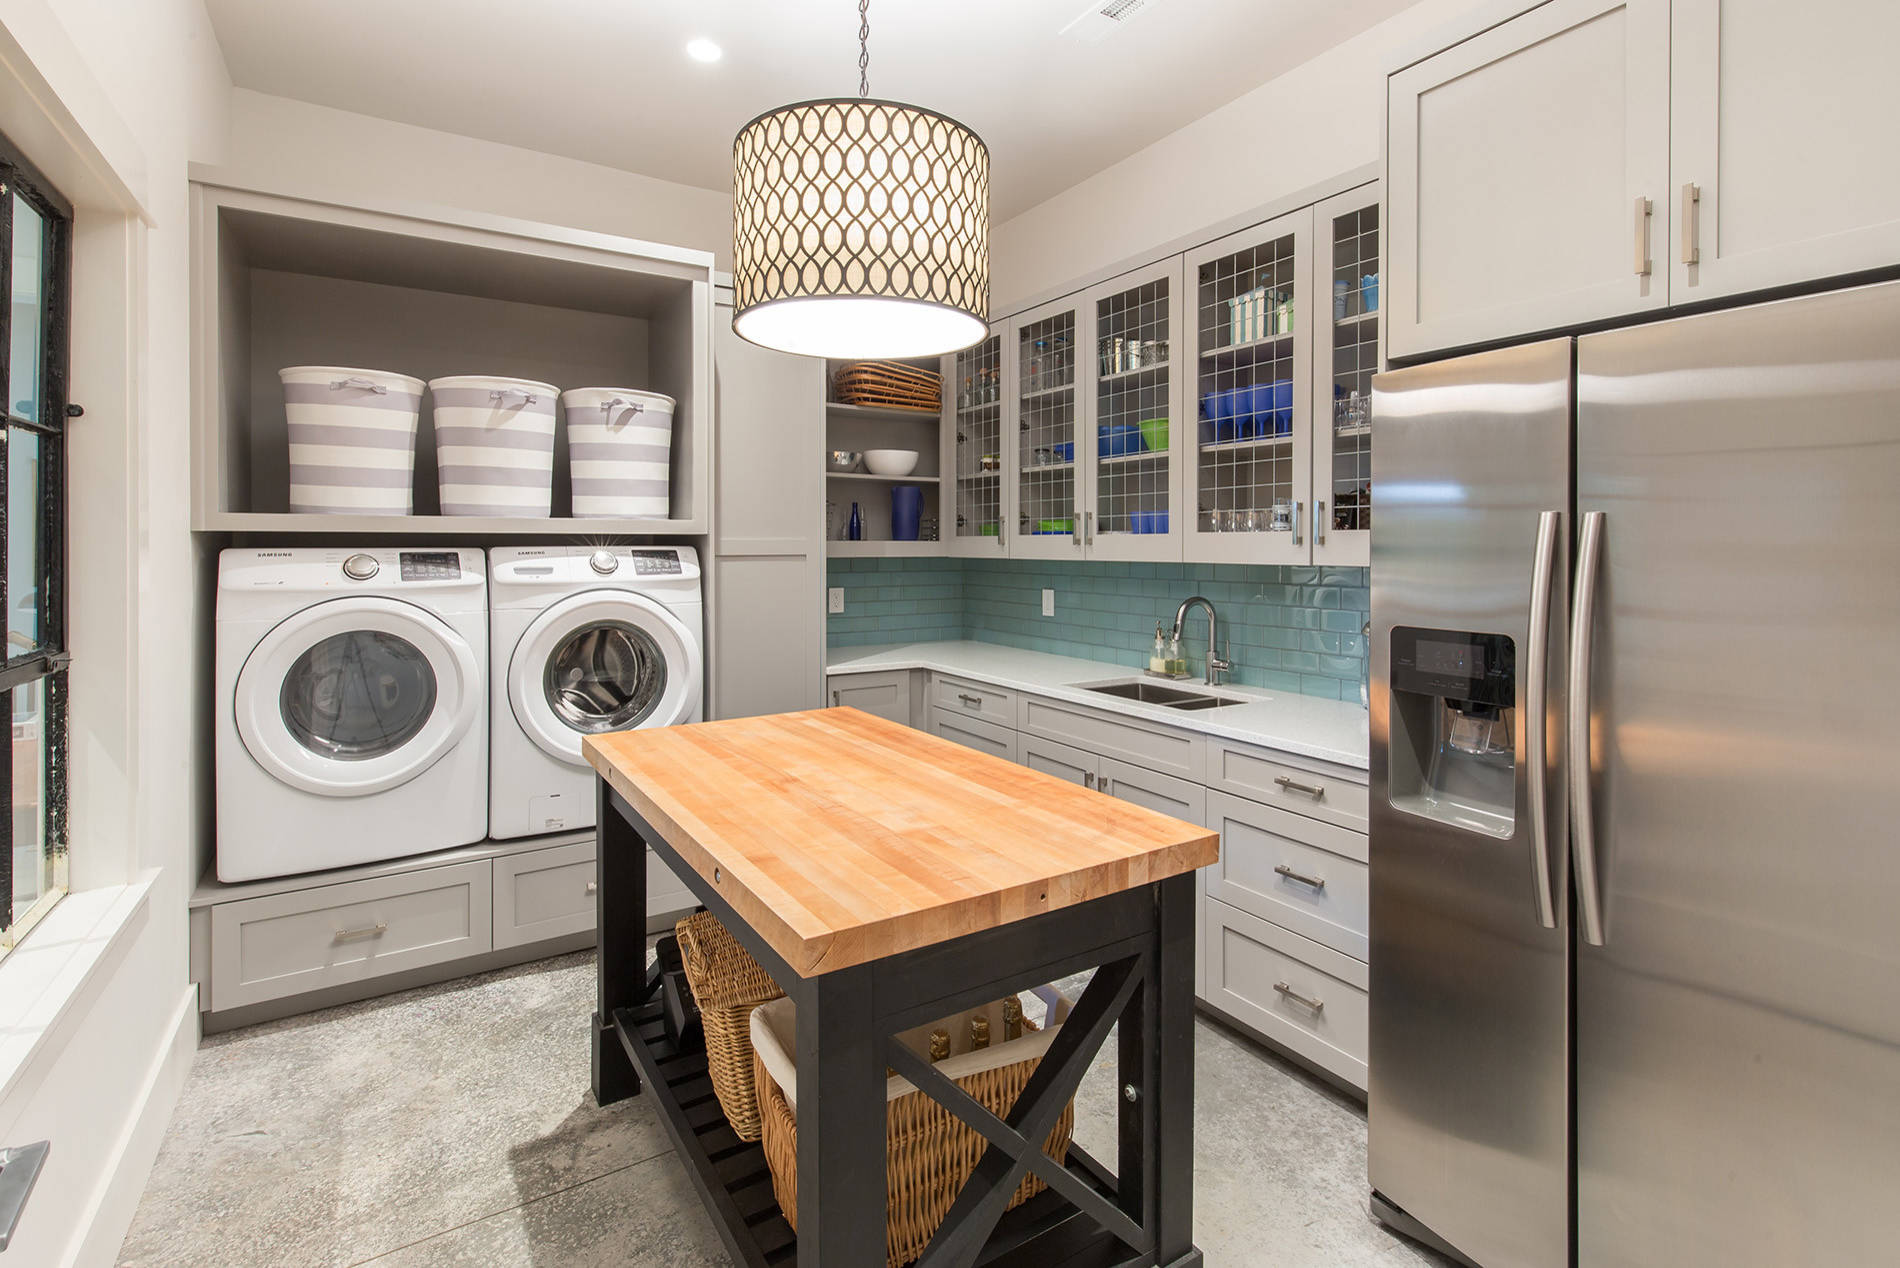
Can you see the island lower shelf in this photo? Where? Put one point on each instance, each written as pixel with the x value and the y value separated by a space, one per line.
pixel 735 1185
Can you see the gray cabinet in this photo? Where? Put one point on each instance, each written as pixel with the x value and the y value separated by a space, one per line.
pixel 1528 177
pixel 973 699
pixel 545 894
pixel 1306 998
pixel 1164 794
pixel 984 737
pixel 765 609
pixel 886 693
pixel 1304 875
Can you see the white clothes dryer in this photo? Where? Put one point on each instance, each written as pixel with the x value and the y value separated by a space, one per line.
pixel 352 706
pixel 586 640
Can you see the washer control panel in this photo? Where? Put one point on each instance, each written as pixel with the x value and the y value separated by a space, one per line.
pixel 604 562
pixel 656 563
pixel 430 565
pixel 361 567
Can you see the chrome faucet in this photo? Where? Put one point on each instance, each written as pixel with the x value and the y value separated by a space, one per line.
pixel 1216 666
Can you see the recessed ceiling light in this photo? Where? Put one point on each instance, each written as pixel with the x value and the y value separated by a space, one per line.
pixel 704 51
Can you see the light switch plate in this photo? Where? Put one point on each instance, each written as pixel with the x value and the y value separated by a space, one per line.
pixel 1048 602
pixel 834 599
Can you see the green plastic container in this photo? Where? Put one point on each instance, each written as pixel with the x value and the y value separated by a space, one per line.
pixel 1154 434
pixel 1055 526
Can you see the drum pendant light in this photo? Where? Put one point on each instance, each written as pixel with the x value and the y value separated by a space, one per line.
pixel 860 228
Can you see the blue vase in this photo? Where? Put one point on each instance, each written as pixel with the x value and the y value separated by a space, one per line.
pixel 907 507
pixel 855 531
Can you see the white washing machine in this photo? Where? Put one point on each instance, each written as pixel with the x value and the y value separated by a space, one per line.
pixel 586 640
pixel 352 706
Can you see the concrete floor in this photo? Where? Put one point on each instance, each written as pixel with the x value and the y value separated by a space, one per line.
pixel 452 1125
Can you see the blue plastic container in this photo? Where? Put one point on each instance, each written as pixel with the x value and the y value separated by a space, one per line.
pixel 1065 452
pixel 1118 440
pixel 907 508
pixel 1148 522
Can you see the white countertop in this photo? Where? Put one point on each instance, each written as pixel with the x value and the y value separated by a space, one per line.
pixel 1307 726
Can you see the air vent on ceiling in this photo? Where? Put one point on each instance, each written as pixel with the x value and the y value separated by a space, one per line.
pixel 1105 17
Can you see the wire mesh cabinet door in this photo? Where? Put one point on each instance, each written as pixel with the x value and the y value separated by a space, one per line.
pixel 1132 446
pixel 977 461
pixel 1345 357
pixel 1052 386
pixel 1252 393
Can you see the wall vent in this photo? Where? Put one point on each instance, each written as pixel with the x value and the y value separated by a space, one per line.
pixel 1105 17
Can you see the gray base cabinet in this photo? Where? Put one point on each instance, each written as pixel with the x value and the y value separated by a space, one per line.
pixel 888 695
pixel 1306 998
pixel 984 737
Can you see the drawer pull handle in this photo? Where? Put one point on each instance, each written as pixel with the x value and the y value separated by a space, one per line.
pixel 376 930
pixel 1315 791
pixel 1317 882
pixel 975 702
pixel 1317 1005
pixel 593 887
pixel 1088 779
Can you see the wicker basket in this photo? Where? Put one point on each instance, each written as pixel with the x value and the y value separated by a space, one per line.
pixel 929 1152
pixel 890 385
pixel 727 985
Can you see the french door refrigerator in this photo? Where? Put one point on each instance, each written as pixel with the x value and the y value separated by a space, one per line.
pixel 1635 848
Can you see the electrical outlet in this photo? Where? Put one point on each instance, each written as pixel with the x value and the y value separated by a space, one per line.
pixel 834 599
pixel 1048 602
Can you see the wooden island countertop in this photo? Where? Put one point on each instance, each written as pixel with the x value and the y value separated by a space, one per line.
pixel 844 838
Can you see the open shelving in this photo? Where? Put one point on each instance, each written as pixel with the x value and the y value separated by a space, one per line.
pixel 282 281
pixel 861 427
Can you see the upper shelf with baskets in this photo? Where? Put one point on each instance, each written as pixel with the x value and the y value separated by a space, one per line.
pixel 282 281
pixel 883 417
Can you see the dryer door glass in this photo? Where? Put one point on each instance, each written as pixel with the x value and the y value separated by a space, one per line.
pixel 605 676
pixel 357 696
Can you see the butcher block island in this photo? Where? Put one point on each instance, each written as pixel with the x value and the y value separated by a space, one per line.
pixel 886 878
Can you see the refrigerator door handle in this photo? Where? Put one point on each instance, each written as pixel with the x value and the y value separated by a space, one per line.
pixel 1536 720
pixel 1582 822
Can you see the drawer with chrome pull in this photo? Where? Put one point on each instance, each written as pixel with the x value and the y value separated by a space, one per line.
pixel 973 699
pixel 1303 875
pixel 1335 794
pixel 304 940
pixel 1302 996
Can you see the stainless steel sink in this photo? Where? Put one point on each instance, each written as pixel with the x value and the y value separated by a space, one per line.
pixel 1166 697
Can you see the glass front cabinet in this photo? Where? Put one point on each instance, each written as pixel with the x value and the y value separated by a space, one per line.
pixel 1132 490
pixel 1052 383
pixel 1249 353
pixel 980 494
pixel 1346 261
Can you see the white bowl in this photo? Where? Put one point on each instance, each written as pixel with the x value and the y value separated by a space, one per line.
pixel 890 462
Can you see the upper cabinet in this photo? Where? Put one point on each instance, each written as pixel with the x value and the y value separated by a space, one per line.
pixel 1592 160
pixel 1052 383
pixel 1529 176
pixel 1782 170
pixel 1250 349
pixel 1345 357
pixel 977 492
pixel 1132 467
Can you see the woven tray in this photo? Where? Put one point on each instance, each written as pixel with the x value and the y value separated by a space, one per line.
pixel 727 985
pixel 890 385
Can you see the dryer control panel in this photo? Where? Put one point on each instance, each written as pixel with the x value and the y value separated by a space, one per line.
pixel 656 563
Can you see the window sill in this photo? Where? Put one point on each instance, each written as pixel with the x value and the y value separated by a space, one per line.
pixel 59 967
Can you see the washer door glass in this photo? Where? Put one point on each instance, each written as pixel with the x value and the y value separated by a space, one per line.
pixel 357 696
pixel 605 676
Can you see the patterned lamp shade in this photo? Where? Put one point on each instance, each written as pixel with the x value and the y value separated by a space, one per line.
pixel 860 228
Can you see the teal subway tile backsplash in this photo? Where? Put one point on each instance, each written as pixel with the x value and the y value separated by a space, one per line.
pixel 1294 629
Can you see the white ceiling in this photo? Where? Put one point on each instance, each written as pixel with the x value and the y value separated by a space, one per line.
pixel 608 81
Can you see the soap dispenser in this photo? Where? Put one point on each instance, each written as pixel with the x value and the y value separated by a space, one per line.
pixel 1158 659
pixel 1177 662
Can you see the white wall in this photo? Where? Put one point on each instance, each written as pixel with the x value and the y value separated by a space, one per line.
pixel 279 144
pixel 1304 128
pixel 108 94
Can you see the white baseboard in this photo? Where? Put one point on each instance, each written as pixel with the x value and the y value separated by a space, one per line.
pixel 116 1199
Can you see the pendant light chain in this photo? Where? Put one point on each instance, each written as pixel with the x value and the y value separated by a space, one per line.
pixel 864 48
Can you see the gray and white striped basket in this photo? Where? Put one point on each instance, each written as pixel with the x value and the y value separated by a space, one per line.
pixel 620 444
pixel 352 439
pixel 494 445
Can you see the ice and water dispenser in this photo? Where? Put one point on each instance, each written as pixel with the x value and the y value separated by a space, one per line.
pixel 1453 757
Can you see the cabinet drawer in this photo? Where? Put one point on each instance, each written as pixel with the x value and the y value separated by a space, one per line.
pixel 973 699
pixel 1307 876
pixel 985 737
pixel 286 944
pixel 1059 760
pixel 1163 794
pixel 1319 791
pixel 546 894
pixel 1300 995
pixel 1147 745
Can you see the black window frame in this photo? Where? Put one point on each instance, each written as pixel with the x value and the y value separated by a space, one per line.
pixel 46 660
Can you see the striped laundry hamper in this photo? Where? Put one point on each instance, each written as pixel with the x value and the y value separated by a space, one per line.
pixel 352 439
pixel 494 445
pixel 620 444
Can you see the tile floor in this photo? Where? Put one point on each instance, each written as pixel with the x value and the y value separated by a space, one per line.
pixel 452 1125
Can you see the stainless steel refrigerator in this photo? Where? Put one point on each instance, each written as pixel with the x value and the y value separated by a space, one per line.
pixel 1635 848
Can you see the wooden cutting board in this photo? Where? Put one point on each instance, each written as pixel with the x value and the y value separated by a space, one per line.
pixel 843 838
